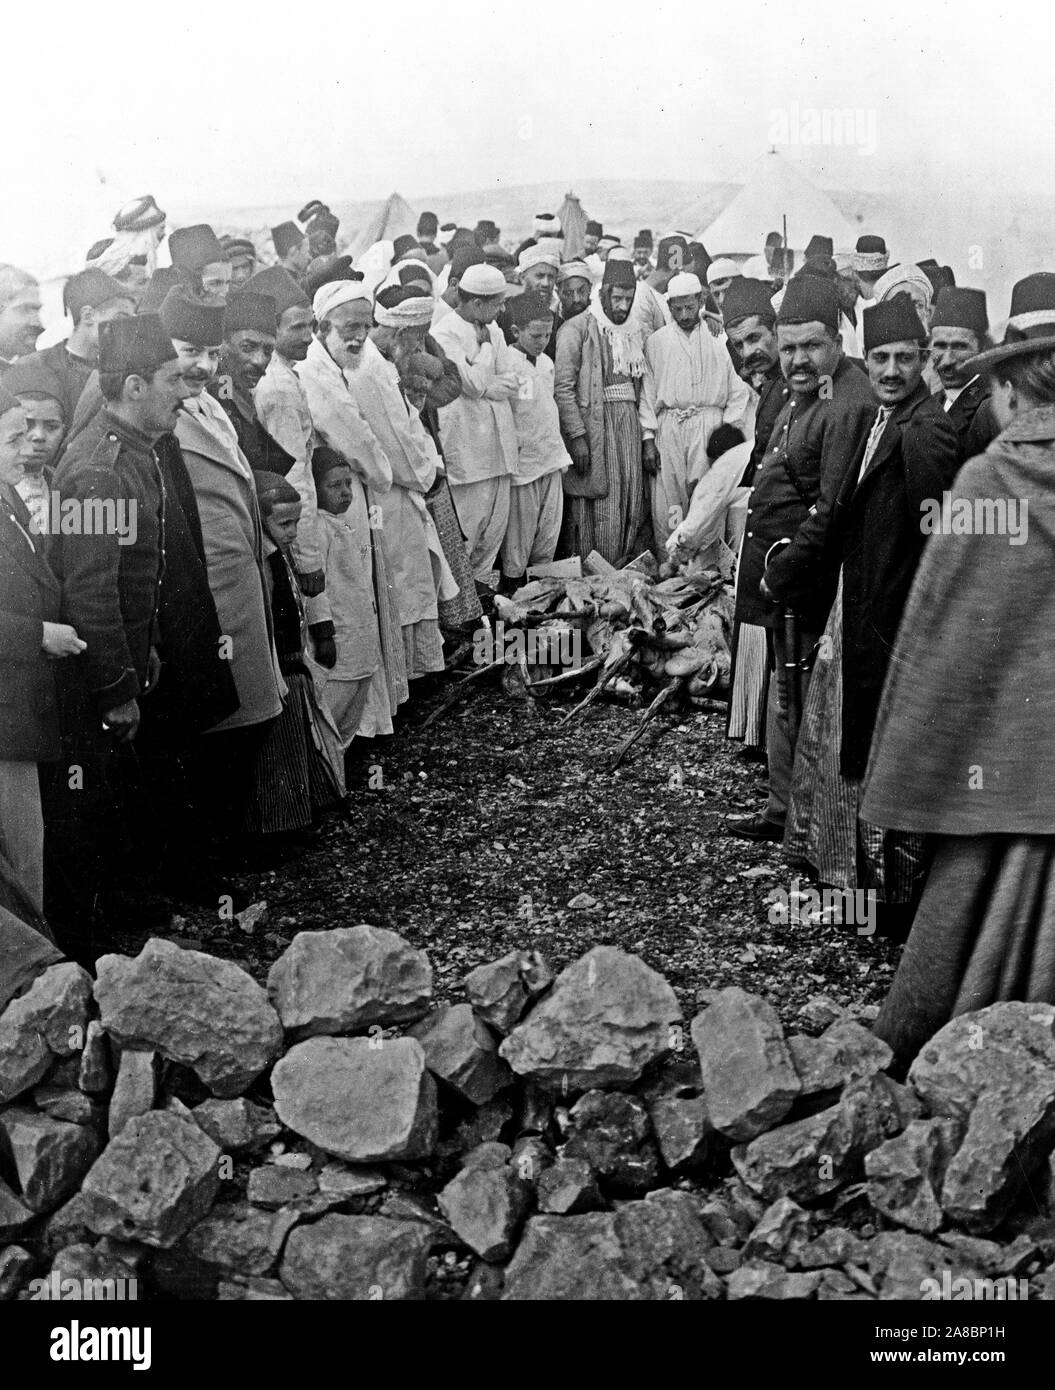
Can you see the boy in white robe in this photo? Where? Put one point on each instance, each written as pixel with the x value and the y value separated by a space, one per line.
pixel 536 500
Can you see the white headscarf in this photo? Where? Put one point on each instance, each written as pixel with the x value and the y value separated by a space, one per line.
pixel 337 292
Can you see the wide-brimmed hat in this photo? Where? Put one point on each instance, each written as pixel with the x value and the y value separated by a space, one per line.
pixel 1031 326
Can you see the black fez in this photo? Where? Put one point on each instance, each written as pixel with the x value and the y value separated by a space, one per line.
pixel 139 345
pixel 32 374
pixel 810 299
pixel 672 253
pixel 594 229
pixel 191 320
pixel 820 246
pixel 324 460
pixel 746 299
pixel 246 309
pixel 428 223
pixel 162 280
pixel 286 236
pixel 822 266
pixel 418 271
pixel 463 257
pixel 526 308
pixel 646 236
pixel 893 320
pixel 403 245
pixel 91 287
pixel 193 248
pixel 641 244
pixel 276 282
pixel 323 270
pixel 940 276
pixel 871 246
pixel 961 308
pixel 619 273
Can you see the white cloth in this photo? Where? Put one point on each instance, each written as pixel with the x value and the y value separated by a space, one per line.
pixel 483 514
pixel 348 599
pixel 282 409
pixel 756 268
pixel 689 389
pixel 848 336
pixel 540 445
pixel 536 510
pixel 706 521
pixel 412 547
pixel 477 430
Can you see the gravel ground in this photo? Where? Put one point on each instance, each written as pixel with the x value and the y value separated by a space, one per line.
pixel 470 838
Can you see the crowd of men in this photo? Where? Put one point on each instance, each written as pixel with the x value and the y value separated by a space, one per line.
pixel 248 507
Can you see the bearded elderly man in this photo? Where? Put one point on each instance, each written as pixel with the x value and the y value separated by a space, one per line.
pixel 600 367
pixel 282 408
pixel 689 388
pixel 343 314
pixel 477 430
pixel 814 440
pixel 959 331
pixel 221 768
pixel 866 530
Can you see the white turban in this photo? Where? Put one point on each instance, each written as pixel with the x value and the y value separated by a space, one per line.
pixel 721 269
pixel 539 254
pixel 903 279
pixel 337 292
pixel 684 283
pixel 413 312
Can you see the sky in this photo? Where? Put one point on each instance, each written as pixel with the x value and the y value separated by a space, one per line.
pixel 234 105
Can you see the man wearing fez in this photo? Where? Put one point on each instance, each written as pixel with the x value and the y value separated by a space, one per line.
pixel 751 340
pixel 643 255
pixel 689 388
pixel 198 252
pixel 427 229
pixel 477 431
pixel 291 248
pixel 867 532
pixel 815 437
pixel 282 409
pixel 221 767
pixel 39 391
pixel 600 366
pixel 672 253
pixel 959 331
pixel 90 298
pixel 110 568
pixel 594 233
pixel 242 254
pixel 871 260
pixel 249 327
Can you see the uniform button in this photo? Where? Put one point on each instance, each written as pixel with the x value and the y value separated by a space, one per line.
pixel 750 535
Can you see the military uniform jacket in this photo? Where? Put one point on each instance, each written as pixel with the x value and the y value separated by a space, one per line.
pixel 110 584
pixel 814 441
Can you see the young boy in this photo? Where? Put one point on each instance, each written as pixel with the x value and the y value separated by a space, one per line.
pixel 536 505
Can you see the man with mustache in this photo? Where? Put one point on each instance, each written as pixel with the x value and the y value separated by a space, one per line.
pixel 249 327
pixel 20 324
pixel 110 566
pixel 221 764
pixel 815 437
pixel 959 331
pixel 867 532
pixel 282 409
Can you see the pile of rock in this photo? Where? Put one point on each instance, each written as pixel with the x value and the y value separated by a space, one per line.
pixel 178 1127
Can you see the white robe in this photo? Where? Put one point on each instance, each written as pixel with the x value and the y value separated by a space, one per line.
pixel 282 409
pixel 690 387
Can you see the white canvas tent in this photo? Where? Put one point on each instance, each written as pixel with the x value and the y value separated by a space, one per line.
pixel 775 190
pixel 395 217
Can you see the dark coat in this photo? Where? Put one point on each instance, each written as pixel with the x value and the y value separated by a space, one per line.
pixel 196 689
pixel 29 597
pixel 71 372
pixel 821 436
pixel 971 414
pixel 110 589
pixel 263 454
pixel 874 531
pixel 771 401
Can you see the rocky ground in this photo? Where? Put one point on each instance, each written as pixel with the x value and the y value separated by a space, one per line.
pixel 472 837
pixel 518 1028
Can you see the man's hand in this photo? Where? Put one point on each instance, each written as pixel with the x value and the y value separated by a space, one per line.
pixel 59 639
pixel 579 449
pixel 123 722
pixel 676 543
pixel 649 456
pixel 153 670
pixel 507 383
pixel 313 583
pixel 326 652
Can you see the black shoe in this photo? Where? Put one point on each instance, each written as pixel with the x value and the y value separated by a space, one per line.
pixel 756 828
